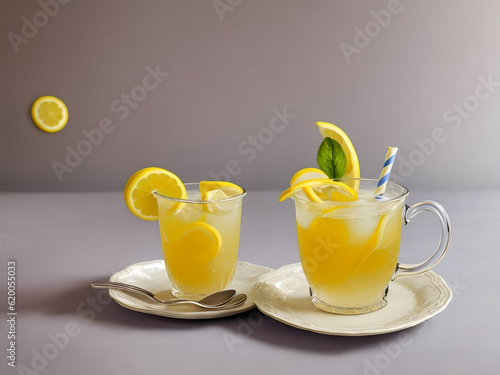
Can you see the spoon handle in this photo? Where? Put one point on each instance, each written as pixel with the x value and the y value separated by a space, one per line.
pixel 122 286
pixel 136 289
pixel 150 295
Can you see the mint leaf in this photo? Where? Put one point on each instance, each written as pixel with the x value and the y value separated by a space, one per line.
pixel 331 158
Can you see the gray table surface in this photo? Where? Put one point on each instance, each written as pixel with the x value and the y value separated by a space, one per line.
pixel 63 241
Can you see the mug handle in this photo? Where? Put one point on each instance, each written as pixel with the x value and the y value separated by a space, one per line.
pixel 444 242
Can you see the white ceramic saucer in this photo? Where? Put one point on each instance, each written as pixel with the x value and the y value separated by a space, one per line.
pixel 153 276
pixel 284 295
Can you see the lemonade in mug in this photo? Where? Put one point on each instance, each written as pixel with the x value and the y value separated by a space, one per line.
pixel 348 234
pixel 199 227
pixel 349 250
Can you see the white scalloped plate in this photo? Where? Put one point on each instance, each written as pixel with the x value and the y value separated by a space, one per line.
pixel 284 295
pixel 153 276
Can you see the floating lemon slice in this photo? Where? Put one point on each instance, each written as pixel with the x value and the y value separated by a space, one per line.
pixel 346 194
pixel 309 174
pixel 200 242
pixel 230 189
pixel 214 196
pixel 352 168
pixel 213 191
pixel 141 185
pixel 49 113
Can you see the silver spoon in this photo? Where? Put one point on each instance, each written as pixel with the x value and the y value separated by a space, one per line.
pixel 211 301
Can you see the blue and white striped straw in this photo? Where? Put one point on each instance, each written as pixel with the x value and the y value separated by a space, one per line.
pixel 386 170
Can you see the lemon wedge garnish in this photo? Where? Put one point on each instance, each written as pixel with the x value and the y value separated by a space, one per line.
pixel 200 242
pixel 49 113
pixel 141 185
pixel 346 194
pixel 352 167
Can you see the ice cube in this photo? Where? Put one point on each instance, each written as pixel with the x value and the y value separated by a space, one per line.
pixel 361 229
pixel 190 212
pixel 304 220
pixel 224 221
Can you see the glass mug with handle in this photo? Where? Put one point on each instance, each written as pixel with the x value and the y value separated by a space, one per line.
pixel 349 250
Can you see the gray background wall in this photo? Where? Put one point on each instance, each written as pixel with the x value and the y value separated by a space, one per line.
pixel 420 75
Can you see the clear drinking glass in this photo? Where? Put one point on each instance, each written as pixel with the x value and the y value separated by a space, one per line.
pixel 200 241
pixel 349 250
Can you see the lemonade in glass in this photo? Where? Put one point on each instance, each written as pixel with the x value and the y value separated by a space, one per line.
pixel 200 240
pixel 199 227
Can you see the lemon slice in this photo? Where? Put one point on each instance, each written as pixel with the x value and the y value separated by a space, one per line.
pixel 230 189
pixel 212 191
pixel 309 174
pixel 141 185
pixel 347 193
pixel 200 242
pixel 49 113
pixel 213 196
pixel 352 167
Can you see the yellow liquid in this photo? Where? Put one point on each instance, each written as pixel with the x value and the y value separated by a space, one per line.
pixel 204 263
pixel 349 259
